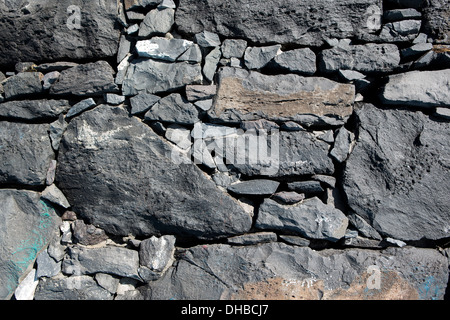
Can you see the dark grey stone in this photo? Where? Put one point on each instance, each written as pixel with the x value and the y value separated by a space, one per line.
pixel 279 271
pixel 94 79
pixel 25 153
pixel 301 61
pixel 27 225
pixel 342 145
pixel 437 20
pixel 151 76
pixel 399 31
pixel 233 48
pixel 399 157
pixel 211 62
pixel 259 57
pixel 173 108
pixel 310 218
pixel 253 238
pixel 142 102
pixel 80 107
pixel 33 109
pixel 281 21
pixel 56 131
pixel 47 266
pixel 71 288
pixel 308 187
pixel 207 39
pixel 48 31
pixel 120 176
pixel 22 84
pixel 288 197
pixel 254 187
pixel 416 50
pixel 401 14
pixel 87 234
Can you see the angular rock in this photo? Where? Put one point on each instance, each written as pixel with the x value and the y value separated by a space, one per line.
pixel 401 14
pixel 47 266
pixel 28 225
pixel 193 54
pixel 174 109
pixel 179 135
pixel 71 288
pixel 295 240
pixel 279 271
pixel 22 84
pixel 405 30
pixel 80 107
pixel 233 48
pixel 157 22
pixel 25 290
pixel 56 131
pixel 288 197
pixel 57 30
pixel 50 79
pixel 112 260
pixel 254 187
pixel 87 234
pixel 259 57
pixel 162 48
pixel 415 50
pixel 55 66
pixel 157 253
pixel 95 79
pixel 342 145
pixel 142 102
pixel 200 92
pixel 119 175
pixel 55 196
pixel 211 61
pixel 308 187
pixel 25 153
pixel 207 39
pixel 365 58
pixel 386 178
pixel 107 281
pixel 363 227
pixel 151 76
pixel 418 88
pixel 114 99
pixel 33 109
pixel 443 113
pixel 351 75
pixel 310 218
pixel 305 23
pixel 244 95
pixel 301 61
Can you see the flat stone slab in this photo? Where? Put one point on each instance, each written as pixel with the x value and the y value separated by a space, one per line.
pixel 244 95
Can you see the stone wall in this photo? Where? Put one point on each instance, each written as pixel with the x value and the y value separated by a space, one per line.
pixel 209 149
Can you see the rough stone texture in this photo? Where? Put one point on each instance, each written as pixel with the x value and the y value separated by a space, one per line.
pixel 405 30
pixel 119 175
pixel 244 95
pixel 174 109
pixel 47 31
pixel 157 22
pixel 33 109
pixel 22 84
pixel 259 57
pixel 278 271
pixel 112 260
pixel 27 226
pixel 142 102
pixel 151 76
pixel 418 88
pixel 310 218
pixel 87 234
pixel 157 253
pixel 95 79
pixel 366 58
pixel 386 177
pixel 437 19
pixel 301 61
pixel 279 21
pixel 162 48
pixel 254 187
pixel 25 153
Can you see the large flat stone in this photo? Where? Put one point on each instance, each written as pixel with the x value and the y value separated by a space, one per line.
pixel 243 96
pixel 281 21
pixel 27 224
pixel 51 30
pixel 119 175
pixel 397 175
pixel 279 271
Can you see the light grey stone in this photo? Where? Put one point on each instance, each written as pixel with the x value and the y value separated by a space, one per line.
pixel 157 253
pixel 405 30
pixel 179 135
pixel 415 50
pixel 55 196
pixel 193 54
pixel 107 282
pixel 80 107
pixel 211 61
pixel 233 48
pixel 254 187
pixel 47 266
pixel 342 144
pixel 259 57
pixel 26 288
pixel 49 79
pixel 157 22
pixel 173 108
pixel 443 112
pixel 162 48
pixel 207 39
pixel 22 84
pixel 301 61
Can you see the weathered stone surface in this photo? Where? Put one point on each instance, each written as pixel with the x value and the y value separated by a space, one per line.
pixel 179 135
pixel 253 238
pixel 157 22
pixel 27 226
pixel 254 187
pixel 33 109
pixel 71 288
pixel 244 95
pixel 437 19
pixel 233 48
pixel 112 260
pixel 25 290
pixel 207 39
pixel 301 61
pixel 405 30
pixel 162 48
pixel 120 176
pixel 95 79
pixel 401 14
pixel 87 234
pixel 200 92
pixel 173 108
pixel 142 102
pixel 399 157
pixel 55 196
pixel 311 218
pixel 366 58
pixel 55 132
pixel 279 21
pixel 57 29
pixel 25 153
pixel 288 197
pixel 259 57
pixel 308 187
pixel 151 76
pixel 418 88
pixel 22 84
pixel 47 266
pixel 279 271
pixel 211 61
pixel 342 144
pixel 157 253
pixel 80 107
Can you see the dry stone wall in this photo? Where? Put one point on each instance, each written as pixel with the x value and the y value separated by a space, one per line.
pixel 209 149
